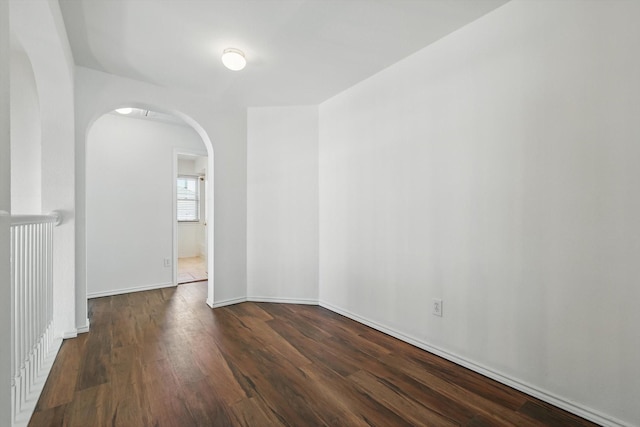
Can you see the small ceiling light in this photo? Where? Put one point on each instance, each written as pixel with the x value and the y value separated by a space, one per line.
pixel 126 110
pixel 233 59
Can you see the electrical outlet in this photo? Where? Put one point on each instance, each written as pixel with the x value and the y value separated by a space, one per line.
pixel 437 307
pixel 167 262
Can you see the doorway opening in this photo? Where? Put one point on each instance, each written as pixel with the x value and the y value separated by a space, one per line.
pixel 191 256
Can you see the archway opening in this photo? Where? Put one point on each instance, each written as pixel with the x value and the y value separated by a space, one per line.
pixel 131 227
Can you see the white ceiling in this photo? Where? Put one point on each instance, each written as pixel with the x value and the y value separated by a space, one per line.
pixel 298 51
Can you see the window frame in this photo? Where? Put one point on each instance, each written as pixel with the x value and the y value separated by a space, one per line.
pixel 197 199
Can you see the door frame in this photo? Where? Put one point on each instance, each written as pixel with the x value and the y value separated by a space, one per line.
pixel 209 212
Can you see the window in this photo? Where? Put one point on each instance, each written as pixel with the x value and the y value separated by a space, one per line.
pixel 188 198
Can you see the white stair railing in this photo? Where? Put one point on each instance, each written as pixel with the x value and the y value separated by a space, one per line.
pixel 34 345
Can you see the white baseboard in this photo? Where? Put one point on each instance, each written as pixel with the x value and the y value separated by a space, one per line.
pixel 69 334
pixel 224 303
pixel 304 301
pixel 575 408
pixel 84 328
pixel 233 301
pixel 113 292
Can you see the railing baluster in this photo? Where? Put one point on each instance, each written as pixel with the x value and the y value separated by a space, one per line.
pixel 39 328
pixel 14 311
pixel 32 334
pixel 22 330
pixel 28 306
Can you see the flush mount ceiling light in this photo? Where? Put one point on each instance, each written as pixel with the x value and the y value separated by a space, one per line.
pixel 233 59
pixel 126 110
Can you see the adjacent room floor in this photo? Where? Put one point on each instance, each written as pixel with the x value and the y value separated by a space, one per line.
pixel 192 269
pixel 164 358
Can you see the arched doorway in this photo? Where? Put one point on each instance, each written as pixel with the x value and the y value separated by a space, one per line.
pixel 130 190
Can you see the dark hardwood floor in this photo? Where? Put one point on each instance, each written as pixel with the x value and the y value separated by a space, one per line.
pixel 163 358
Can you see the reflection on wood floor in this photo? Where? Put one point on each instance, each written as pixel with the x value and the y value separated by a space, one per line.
pixel 192 269
pixel 164 358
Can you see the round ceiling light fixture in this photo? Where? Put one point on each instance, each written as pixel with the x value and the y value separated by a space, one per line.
pixel 233 59
pixel 125 110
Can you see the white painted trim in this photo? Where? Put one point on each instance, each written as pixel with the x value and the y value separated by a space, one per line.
pixel 69 334
pixel 174 224
pixel 129 290
pixel 84 328
pixel 303 301
pixel 567 405
pixel 224 303
pixel 233 301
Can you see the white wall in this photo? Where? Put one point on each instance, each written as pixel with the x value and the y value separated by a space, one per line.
pixel 26 173
pixel 5 124
pixel 190 236
pixel 5 208
pixel 186 166
pixel 130 181
pixel 282 204
pixel 200 165
pixel 498 169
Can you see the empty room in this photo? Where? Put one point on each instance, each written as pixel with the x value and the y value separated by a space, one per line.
pixel 319 213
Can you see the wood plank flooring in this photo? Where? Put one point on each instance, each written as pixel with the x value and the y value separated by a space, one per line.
pixel 164 358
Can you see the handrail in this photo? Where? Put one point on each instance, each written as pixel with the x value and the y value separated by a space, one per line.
pixel 54 217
